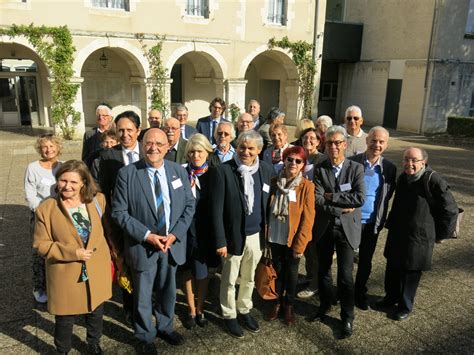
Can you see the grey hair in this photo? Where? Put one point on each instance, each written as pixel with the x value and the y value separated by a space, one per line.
pixel 103 107
pixel 353 108
pixel 180 107
pixel 250 135
pixel 225 123
pixel 379 128
pixel 333 130
pixel 273 114
pixel 325 119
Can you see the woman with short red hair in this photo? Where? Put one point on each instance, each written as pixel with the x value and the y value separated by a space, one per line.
pixel 291 219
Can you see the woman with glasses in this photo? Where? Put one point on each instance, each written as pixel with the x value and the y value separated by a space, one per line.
pixel 291 218
pixel 40 182
pixel 200 254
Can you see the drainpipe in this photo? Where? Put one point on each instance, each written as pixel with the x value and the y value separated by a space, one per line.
pixel 429 70
pixel 315 50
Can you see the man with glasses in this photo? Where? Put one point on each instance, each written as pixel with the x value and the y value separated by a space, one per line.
pixel 154 119
pixel 92 139
pixel 224 135
pixel 177 146
pixel 207 125
pixel 356 137
pixel 339 195
pixel 244 123
pixel 181 113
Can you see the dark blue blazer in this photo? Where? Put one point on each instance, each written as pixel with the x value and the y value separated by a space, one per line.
pixel 203 126
pixel 133 209
pixel 189 131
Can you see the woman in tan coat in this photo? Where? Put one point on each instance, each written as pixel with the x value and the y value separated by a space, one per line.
pixel 69 234
pixel 291 219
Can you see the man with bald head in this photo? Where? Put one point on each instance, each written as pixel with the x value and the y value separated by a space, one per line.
pixel 244 123
pixel 154 119
pixel 379 179
pixel 253 109
pixel 154 206
pixel 177 145
pixel 356 137
pixel 423 211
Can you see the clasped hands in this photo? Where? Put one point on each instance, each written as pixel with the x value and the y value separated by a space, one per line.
pixel 161 242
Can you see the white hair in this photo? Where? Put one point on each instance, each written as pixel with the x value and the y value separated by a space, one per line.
pixel 355 109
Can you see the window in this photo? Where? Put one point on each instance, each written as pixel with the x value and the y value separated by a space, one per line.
pixel 177 84
pixel 328 91
pixel 470 20
pixel 197 8
pixel 471 109
pixel 112 4
pixel 277 12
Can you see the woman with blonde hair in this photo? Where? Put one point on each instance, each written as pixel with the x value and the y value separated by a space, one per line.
pixel 39 183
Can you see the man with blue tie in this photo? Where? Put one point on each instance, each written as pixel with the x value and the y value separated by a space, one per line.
pixel 207 125
pixel 154 205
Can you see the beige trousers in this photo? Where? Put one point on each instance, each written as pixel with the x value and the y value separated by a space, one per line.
pixel 246 264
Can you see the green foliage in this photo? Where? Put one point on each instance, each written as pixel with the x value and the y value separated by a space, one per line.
pixel 301 52
pixel 461 126
pixel 157 81
pixel 234 112
pixel 54 47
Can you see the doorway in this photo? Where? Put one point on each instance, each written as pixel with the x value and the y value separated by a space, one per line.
pixel 18 101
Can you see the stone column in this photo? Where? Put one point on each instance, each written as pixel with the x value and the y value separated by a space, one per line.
pixel 293 104
pixel 235 94
pixel 78 106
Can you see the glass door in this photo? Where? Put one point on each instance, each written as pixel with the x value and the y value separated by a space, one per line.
pixel 9 113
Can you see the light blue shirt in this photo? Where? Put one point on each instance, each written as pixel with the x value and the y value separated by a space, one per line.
pixel 227 156
pixel 164 190
pixel 337 169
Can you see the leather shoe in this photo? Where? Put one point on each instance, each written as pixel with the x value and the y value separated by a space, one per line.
pixel 201 320
pixel 401 315
pixel 274 312
pixel 94 349
pixel 250 323
pixel 189 322
pixel 289 315
pixel 234 328
pixel 346 329
pixel 173 338
pixel 320 315
pixel 362 303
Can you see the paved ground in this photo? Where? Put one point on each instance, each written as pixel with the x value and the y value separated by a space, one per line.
pixel 442 321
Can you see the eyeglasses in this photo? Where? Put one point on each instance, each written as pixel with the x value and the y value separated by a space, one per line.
pixel 355 118
pixel 336 143
pixel 154 118
pixel 217 107
pixel 171 128
pixel 412 160
pixel 225 134
pixel 158 145
pixel 296 160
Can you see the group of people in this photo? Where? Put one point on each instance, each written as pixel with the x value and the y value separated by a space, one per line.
pixel 174 197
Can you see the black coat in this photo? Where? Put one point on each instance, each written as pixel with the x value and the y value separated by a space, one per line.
pixel 411 236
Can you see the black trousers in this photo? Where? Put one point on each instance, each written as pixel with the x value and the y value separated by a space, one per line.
pixel 286 267
pixel 63 329
pixel 366 252
pixel 335 237
pixel 401 286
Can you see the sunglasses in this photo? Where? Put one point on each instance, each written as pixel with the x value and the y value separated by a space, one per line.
pixel 355 118
pixel 225 134
pixel 336 143
pixel 296 160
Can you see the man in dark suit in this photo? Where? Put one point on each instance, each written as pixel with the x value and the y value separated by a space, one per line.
pixel 238 201
pixel 379 178
pixel 253 109
pixel 92 139
pixel 181 113
pixel 176 144
pixel 154 205
pixel 339 196
pixel 111 161
pixel 207 125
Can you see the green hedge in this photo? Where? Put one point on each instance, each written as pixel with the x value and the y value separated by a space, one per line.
pixel 461 126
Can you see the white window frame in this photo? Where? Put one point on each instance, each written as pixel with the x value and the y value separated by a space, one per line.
pixel 109 4
pixel 277 12
pixel 197 8
pixel 332 87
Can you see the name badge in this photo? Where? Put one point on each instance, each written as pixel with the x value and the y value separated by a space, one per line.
pixel 292 195
pixel 266 188
pixel 345 187
pixel 176 183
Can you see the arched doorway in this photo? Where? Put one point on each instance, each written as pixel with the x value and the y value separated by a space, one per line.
pixel 112 76
pixel 23 87
pixel 197 79
pixel 272 80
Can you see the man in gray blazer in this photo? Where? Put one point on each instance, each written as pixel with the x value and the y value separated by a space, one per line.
pixel 154 205
pixel 339 195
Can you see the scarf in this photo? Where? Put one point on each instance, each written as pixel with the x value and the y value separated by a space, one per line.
pixel 415 177
pixel 282 198
pixel 246 173
pixel 195 172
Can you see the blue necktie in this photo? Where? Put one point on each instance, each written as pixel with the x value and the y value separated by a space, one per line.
pixel 131 157
pixel 213 128
pixel 160 208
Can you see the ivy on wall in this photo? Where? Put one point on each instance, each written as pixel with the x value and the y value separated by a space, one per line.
pixel 54 46
pixel 156 82
pixel 301 52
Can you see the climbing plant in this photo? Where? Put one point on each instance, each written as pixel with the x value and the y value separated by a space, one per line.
pixel 156 82
pixel 54 46
pixel 301 52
